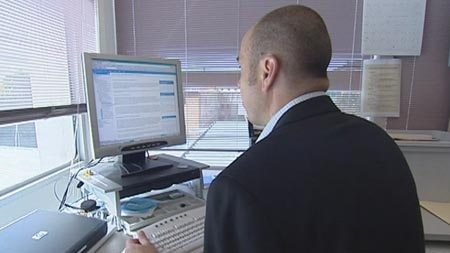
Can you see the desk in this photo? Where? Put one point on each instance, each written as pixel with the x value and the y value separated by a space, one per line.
pixel 117 242
pixel 435 231
pixel 434 228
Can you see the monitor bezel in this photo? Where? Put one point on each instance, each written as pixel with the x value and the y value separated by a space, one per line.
pixel 100 151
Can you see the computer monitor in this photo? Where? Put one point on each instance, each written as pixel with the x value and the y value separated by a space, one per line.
pixel 134 104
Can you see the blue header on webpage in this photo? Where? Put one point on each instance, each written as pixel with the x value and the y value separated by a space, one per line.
pixel 108 71
pixel 166 82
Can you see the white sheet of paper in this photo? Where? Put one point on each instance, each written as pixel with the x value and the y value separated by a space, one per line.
pixel 380 94
pixel 393 27
pixel 440 209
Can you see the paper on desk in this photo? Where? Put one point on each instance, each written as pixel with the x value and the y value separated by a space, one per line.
pixel 439 209
pixel 412 137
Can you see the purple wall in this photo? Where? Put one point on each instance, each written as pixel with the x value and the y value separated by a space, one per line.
pixel 157 29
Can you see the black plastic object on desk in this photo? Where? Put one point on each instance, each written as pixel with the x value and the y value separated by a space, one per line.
pixel 138 163
pixel 153 180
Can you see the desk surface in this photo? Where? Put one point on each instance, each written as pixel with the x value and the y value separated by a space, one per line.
pixel 437 236
pixel 116 243
pixel 435 229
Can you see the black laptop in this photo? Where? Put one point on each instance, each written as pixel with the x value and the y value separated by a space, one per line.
pixel 49 231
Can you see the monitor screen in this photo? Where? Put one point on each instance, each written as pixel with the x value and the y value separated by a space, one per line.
pixel 134 104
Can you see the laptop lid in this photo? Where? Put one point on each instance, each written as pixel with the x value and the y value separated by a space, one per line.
pixel 50 231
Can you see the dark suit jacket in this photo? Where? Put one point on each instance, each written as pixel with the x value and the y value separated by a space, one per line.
pixel 322 181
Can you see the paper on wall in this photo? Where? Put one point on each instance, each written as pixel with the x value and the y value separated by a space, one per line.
pixel 393 27
pixel 380 93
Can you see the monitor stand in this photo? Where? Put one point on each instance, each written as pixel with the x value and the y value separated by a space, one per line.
pixel 138 163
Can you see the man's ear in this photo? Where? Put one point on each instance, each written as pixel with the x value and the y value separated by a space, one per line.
pixel 270 66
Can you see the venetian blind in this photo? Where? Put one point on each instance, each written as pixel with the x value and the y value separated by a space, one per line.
pixel 40 52
pixel 205 36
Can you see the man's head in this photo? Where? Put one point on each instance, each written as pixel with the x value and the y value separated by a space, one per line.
pixel 284 55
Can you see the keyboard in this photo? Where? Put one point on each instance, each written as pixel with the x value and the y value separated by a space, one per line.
pixel 180 233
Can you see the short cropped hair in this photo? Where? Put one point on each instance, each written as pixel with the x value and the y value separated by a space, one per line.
pixel 298 37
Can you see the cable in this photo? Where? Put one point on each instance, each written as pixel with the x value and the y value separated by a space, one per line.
pixel 75 157
pixel 353 45
pixel 89 165
pixel 66 205
pixel 62 202
pixel 413 74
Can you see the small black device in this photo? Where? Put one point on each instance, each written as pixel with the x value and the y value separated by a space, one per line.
pixel 89 205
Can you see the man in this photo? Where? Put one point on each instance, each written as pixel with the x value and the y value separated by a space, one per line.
pixel 317 180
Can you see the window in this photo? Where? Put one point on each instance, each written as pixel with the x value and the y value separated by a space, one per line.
pixel 205 36
pixel 40 78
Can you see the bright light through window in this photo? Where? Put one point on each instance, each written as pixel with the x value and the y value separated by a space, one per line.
pixel 30 149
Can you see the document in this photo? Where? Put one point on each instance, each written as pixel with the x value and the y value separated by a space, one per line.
pixel 393 27
pixel 380 94
pixel 412 137
pixel 439 209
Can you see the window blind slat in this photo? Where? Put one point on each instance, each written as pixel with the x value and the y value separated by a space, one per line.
pixel 41 49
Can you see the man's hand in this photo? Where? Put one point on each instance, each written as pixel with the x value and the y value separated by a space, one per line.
pixel 139 245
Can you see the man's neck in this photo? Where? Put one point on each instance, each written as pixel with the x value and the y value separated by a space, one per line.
pixel 287 92
pixel 274 119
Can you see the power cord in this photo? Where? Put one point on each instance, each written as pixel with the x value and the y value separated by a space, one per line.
pixel 62 201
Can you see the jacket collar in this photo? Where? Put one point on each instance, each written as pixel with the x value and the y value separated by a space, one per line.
pixel 307 109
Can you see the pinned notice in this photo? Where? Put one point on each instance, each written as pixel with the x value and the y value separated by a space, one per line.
pixel 393 27
pixel 380 96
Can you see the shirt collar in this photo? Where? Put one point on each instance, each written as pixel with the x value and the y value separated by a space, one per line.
pixel 273 121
